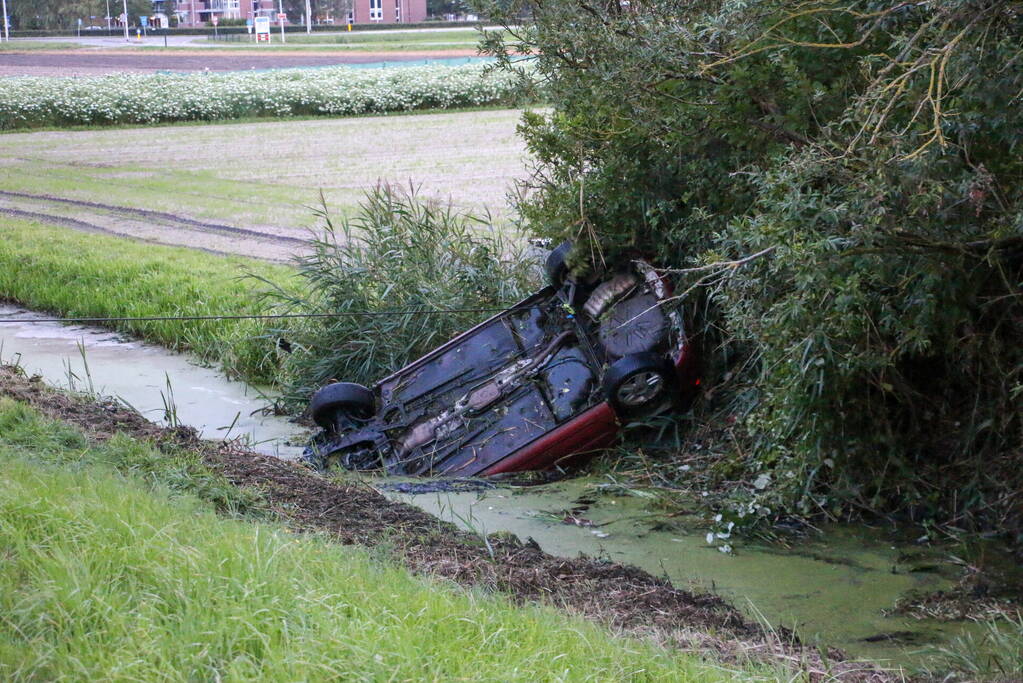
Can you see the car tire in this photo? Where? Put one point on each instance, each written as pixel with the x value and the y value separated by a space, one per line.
pixel 354 399
pixel 557 264
pixel 640 385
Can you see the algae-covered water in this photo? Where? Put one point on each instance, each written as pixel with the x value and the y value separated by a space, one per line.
pixel 835 588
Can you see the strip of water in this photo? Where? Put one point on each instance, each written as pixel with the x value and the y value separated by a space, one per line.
pixel 165 387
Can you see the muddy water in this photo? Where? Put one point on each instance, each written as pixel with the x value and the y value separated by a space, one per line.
pixel 161 385
pixel 833 589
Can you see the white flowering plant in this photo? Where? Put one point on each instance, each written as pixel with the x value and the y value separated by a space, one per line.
pixel 332 91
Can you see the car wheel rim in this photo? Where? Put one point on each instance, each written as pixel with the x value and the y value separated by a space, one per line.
pixel 641 388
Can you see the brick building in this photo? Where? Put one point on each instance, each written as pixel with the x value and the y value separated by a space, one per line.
pixel 200 12
pixel 388 11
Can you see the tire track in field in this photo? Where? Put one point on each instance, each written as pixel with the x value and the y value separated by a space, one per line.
pixel 83 226
pixel 174 221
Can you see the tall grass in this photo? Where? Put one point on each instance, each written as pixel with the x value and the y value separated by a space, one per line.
pixel 104 578
pixel 995 654
pixel 399 253
pixel 72 274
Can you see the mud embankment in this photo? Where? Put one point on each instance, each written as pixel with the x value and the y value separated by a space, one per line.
pixel 622 597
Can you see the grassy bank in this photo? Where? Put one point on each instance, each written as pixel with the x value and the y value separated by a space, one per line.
pixel 26 102
pixel 109 576
pixel 71 274
pixel 26 45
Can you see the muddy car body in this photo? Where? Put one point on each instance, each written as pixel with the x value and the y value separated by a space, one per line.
pixel 546 382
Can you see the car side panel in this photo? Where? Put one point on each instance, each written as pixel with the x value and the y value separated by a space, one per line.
pixel 589 433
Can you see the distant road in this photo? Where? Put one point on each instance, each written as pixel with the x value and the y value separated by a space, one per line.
pixel 90 62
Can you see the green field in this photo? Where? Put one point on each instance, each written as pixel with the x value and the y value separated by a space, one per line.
pixel 115 571
pixel 269 174
pixel 25 45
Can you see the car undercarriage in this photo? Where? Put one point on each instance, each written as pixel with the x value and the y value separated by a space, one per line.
pixel 550 365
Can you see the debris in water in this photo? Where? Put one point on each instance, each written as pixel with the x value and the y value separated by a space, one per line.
pixel 439 486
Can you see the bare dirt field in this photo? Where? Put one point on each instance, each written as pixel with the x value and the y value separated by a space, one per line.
pixel 99 62
pixel 250 187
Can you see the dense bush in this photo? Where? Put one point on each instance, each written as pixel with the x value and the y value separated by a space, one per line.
pixel 157 98
pixel 869 152
pixel 444 269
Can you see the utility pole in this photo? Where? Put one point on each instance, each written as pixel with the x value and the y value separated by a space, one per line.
pixel 280 15
pixel 125 3
pixel 108 17
pixel 193 13
pixel 7 28
pixel 308 16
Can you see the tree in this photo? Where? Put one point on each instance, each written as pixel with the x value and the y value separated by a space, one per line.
pixel 338 9
pixel 869 150
pixel 438 8
pixel 64 14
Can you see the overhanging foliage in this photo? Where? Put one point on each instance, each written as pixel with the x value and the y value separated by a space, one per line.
pixel 872 357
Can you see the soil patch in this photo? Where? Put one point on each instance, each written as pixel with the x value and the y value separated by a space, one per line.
pixel 625 598
pixel 94 63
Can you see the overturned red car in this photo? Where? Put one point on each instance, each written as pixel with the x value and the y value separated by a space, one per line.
pixel 541 385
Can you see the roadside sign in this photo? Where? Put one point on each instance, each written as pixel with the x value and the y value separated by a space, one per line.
pixel 281 18
pixel 262 29
pixel 144 20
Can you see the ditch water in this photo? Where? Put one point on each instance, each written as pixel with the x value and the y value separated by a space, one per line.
pixel 834 588
pixel 161 385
